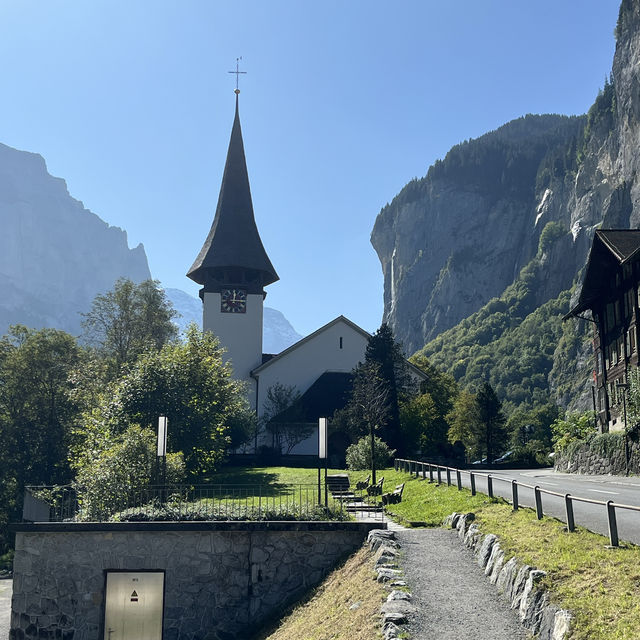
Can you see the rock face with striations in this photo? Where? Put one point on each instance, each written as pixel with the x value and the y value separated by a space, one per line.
pixel 453 240
pixel 55 255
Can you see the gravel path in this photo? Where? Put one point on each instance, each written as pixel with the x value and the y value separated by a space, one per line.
pixel 455 600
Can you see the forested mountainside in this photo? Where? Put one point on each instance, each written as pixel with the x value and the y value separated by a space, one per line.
pixel 480 257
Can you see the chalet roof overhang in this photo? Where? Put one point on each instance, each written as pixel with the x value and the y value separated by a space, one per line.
pixel 611 250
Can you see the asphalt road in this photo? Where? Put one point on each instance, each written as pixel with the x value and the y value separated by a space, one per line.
pixel 620 489
pixel 5 607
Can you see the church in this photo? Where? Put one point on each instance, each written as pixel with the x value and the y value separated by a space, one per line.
pixel 233 270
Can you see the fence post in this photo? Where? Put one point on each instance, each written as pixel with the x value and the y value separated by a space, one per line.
pixel 489 485
pixel 458 480
pixel 430 473
pixel 613 525
pixel 568 507
pixel 424 473
pixel 439 474
pixel 448 477
pixel 538 496
pixel 514 494
pixel 395 464
pixel 472 478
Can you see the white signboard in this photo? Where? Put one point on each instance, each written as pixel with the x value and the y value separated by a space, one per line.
pixel 162 436
pixel 322 435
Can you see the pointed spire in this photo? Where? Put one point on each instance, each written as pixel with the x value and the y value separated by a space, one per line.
pixel 234 241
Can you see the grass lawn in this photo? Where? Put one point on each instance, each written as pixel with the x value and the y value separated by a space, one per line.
pixel 600 586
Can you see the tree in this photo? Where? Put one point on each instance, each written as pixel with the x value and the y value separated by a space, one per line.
pixel 464 423
pixel 418 419
pixel 128 320
pixel 284 419
pixel 383 351
pixel 442 390
pixel 369 403
pixel 492 420
pixel 36 413
pixel 187 382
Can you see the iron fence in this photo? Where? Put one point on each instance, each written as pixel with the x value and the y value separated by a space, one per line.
pixel 436 472
pixel 72 503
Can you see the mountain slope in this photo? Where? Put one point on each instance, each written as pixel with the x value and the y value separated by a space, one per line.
pixel 459 240
pixel 55 255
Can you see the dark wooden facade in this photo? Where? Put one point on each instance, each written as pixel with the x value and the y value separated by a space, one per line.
pixel 610 291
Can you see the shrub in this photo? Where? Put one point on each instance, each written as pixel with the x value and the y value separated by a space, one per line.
pixel 574 427
pixel 359 454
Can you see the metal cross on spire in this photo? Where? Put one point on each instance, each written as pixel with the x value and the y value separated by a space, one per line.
pixel 237 72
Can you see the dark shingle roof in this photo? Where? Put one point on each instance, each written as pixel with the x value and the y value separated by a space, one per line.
pixel 610 247
pixel 233 240
pixel 623 243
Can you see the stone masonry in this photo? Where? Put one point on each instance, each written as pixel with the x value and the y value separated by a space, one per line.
pixel 222 580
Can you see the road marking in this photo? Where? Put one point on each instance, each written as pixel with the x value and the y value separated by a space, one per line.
pixel 613 493
pixel 551 484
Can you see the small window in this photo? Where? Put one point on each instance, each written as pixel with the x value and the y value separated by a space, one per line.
pixel 341 342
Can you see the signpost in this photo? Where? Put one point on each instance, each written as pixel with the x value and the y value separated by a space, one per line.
pixel 322 455
pixel 162 451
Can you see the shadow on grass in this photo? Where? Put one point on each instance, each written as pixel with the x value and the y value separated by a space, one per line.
pixel 235 478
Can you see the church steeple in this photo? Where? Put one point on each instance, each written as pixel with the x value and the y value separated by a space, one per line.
pixel 233 252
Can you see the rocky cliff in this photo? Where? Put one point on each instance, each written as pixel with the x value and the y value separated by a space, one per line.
pixel 453 241
pixel 55 255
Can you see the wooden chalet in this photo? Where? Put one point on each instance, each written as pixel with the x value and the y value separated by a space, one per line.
pixel 610 291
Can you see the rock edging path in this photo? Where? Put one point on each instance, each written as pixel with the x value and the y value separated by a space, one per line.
pixel 398 608
pixel 517 581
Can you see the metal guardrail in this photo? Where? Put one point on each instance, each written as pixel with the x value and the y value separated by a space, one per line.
pixel 70 503
pixel 422 468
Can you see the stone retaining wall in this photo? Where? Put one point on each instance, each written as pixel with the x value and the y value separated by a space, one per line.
pixel 588 459
pixel 222 580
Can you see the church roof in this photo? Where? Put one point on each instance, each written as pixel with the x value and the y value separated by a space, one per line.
pixel 233 240
pixel 611 248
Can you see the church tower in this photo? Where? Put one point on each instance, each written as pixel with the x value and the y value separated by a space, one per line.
pixel 233 268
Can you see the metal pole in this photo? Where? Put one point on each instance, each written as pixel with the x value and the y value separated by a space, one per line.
pixel 568 507
pixel 430 473
pixel 448 477
pixel 489 486
pixel 326 495
pixel 613 525
pixel 439 474
pixel 319 486
pixel 514 494
pixel 458 480
pixel 472 478
pixel 538 496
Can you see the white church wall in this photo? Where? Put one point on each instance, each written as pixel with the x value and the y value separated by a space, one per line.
pixel 339 347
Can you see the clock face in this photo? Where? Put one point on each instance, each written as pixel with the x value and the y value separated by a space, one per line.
pixel 233 301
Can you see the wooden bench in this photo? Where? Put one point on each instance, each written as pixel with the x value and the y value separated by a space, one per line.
pixel 363 484
pixel 395 496
pixel 375 489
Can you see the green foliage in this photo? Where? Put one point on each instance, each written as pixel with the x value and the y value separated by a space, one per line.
pixel 492 421
pixel 532 425
pixel 575 427
pixel 551 232
pixel 118 470
pixel 607 445
pixel 419 424
pixel 205 511
pixel 633 399
pixel 36 414
pixel 464 423
pixel 359 454
pixel 188 383
pixel 510 342
pixel 601 116
pixel 129 320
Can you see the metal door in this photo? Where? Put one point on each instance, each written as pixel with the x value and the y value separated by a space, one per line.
pixel 133 606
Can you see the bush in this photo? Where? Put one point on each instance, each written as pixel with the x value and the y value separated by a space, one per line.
pixel 359 454
pixel 122 472
pixel 574 427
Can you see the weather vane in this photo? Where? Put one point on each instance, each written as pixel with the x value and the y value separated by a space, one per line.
pixel 237 72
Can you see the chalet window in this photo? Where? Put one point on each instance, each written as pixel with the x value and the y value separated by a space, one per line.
pixel 611 320
pixel 618 312
pixel 607 357
pixel 601 399
pixel 632 339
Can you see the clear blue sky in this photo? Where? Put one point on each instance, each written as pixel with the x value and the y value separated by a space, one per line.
pixel 343 103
